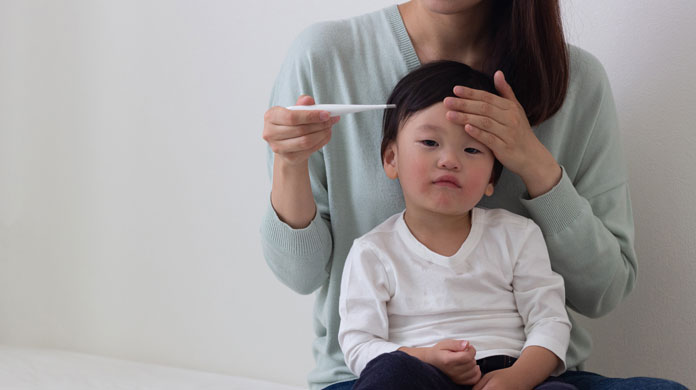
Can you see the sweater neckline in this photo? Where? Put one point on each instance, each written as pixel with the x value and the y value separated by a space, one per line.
pixel 457 262
pixel 404 41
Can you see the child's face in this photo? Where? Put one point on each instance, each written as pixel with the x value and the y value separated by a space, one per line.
pixel 440 167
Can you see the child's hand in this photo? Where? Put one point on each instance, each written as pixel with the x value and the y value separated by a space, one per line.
pixel 457 359
pixel 504 379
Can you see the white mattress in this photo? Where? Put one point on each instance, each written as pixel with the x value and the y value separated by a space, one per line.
pixel 42 369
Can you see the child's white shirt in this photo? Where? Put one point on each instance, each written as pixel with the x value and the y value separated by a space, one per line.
pixel 498 292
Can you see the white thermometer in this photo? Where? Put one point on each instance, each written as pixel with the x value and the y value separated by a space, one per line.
pixel 341 109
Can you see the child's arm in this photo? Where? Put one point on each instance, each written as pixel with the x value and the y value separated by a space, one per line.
pixel 534 365
pixel 540 297
pixel 365 290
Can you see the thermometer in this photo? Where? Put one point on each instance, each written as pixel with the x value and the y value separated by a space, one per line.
pixel 341 109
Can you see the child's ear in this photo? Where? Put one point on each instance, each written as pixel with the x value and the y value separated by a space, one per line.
pixel 390 164
pixel 489 189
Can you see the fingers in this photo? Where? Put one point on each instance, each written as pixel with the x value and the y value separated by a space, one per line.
pixel 460 351
pixel 463 359
pixel 492 141
pixel 480 121
pixel 282 116
pixel 503 87
pixel 294 133
pixel 480 384
pixel 457 358
pixel 284 132
pixel 303 154
pixel 476 107
pixel 300 144
pixel 468 376
pixel 485 130
pixel 304 100
pixel 483 114
pixel 454 345
pixel 471 352
pixel 473 376
pixel 483 96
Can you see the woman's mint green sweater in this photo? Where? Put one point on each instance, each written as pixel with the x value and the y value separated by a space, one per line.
pixel 586 219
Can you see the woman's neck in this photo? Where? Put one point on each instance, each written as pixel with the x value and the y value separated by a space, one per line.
pixel 442 234
pixel 458 36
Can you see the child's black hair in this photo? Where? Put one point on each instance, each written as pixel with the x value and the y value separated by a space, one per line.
pixel 428 85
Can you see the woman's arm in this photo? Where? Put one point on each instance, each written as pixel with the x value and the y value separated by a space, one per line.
pixel 585 212
pixel 299 257
pixel 295 232
pixel 590 241
pixel 587 218
pixel 293 137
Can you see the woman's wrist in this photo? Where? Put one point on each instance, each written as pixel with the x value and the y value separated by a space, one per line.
pixel 291 193
pixel 542 177
pixel 288 168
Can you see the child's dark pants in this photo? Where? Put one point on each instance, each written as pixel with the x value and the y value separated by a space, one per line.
pixel 401 371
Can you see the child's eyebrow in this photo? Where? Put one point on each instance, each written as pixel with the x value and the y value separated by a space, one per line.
pixel 428 126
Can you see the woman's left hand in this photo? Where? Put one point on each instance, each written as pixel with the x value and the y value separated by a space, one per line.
pixel 500 123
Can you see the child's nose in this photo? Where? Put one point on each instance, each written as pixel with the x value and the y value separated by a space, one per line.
pixel 449 160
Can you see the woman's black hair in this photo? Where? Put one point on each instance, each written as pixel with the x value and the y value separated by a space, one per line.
pixel 528 45
pixel 428 85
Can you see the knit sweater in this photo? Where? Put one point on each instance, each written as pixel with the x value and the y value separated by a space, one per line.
pixel 586 219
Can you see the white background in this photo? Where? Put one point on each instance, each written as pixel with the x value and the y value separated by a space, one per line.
pixel 133 180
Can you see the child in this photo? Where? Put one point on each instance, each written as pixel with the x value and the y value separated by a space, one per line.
pixel 446 294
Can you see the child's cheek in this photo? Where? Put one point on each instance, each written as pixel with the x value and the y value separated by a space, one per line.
pixel 421 172
pixel 414 175
pixel 479 179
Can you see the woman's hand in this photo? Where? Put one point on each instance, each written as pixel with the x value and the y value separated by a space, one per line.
pixel 500 123
pixel 294 135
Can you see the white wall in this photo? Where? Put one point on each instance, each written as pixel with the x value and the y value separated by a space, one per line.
pixel 133 179
pixel 648 49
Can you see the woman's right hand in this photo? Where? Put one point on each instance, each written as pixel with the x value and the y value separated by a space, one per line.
pixel 294 135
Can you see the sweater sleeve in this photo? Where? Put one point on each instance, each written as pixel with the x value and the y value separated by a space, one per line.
pixel 299 257
pixel 539 296
pixel 586 218
pixel 365 291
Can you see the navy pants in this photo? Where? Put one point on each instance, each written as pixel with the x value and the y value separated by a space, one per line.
pixel 398 370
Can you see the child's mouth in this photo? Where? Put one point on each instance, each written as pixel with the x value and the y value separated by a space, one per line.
pixel 447 181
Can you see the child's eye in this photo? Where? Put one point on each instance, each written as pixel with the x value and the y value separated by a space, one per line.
pixel 429 143
pixel 472 150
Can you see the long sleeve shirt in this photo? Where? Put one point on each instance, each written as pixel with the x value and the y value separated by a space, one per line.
pixel 497 292
pixel 586 218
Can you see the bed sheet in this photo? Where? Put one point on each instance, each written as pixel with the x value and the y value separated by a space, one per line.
pixel 46 369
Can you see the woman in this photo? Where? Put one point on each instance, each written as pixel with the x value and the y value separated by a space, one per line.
pixel 566 173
